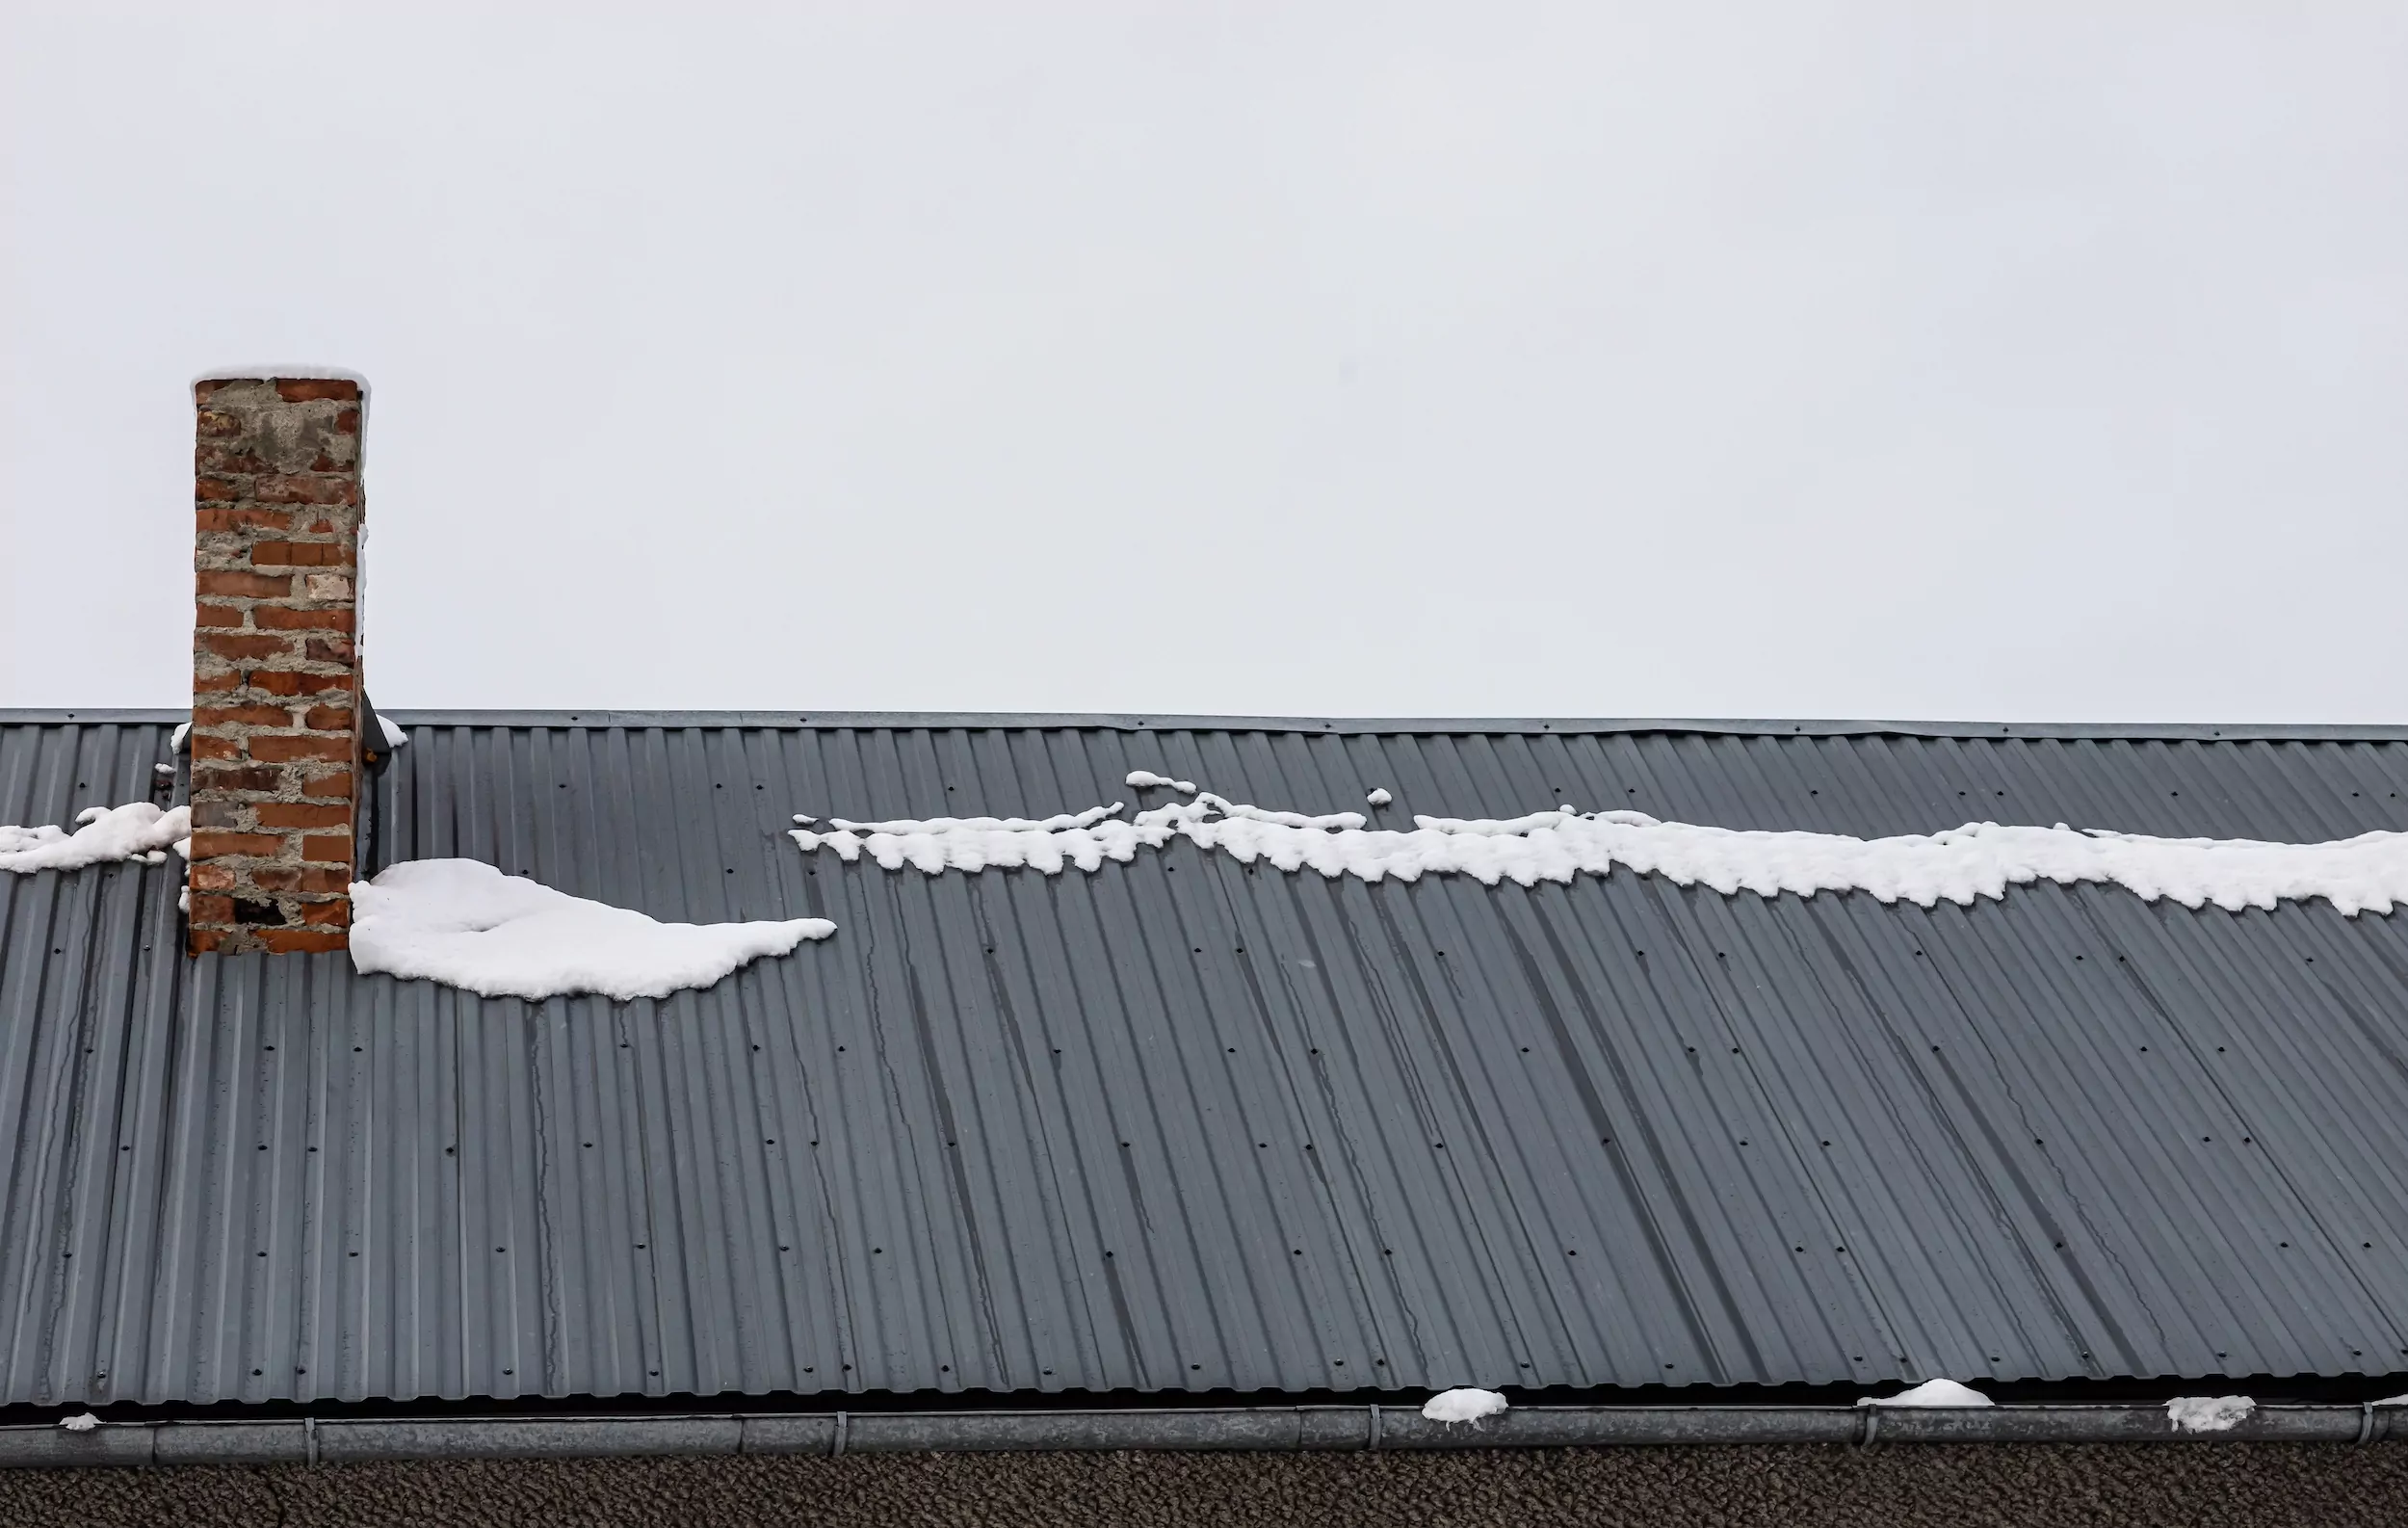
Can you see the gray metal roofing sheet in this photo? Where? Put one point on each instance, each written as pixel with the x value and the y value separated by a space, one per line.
pixel 1188 1125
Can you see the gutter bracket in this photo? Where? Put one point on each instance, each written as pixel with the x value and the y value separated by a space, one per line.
pixel 1372 1442
pixel 1871 1427
pixel 2366 1422
pixel 309 1440
pixel 837 1445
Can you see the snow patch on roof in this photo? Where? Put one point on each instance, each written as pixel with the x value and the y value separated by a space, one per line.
pixel 135 830
pixel 1958 865
pixel 394 737
pixel 1462 1405
pixel 2209 1413
pixel 1379 796
pixel 1144 780
pixel 1931 1392
pixel 467 925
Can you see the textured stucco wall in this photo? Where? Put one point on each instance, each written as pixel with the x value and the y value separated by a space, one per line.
pixel 2212 1486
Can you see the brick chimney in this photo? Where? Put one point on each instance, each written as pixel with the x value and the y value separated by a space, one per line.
pixel 276 745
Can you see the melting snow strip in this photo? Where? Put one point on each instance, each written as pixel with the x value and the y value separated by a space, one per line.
pixel 1958 865
pixel 1145 779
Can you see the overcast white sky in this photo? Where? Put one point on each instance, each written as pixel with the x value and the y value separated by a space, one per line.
pixel 2016 361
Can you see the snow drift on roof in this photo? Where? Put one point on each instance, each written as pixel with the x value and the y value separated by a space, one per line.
pixel 1981 859
pixel 467 925
pixel 135 830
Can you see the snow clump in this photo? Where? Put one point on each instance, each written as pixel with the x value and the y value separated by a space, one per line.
pixel 467 925
pixel 1140 779
pixel 1380 796
pixel 2209 1413
pixel 1931 1392
pixel 138 831
pixel 1462 1405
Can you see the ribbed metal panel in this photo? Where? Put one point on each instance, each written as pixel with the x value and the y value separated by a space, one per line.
pixel 1184 1124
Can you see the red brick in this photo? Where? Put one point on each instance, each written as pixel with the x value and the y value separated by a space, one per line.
pixel 222 519
pixel 314 389
pixel 300 554
pixel 346 423
pixel 328 719
pixel 218 460
pixel 305 491
pixel 274 750
pixel 217 615
pixel 208 908
pixel 320 878
pixel 213 845
pixel 292 682
pixel 276 618
pixel 318 528
pixel 243 645
pixel 203 746
pixel 217 814
pixel 217 491
pixel 206 877
pixel 242 715
pixel 246 586
pixel 217 422
pixel 328 849
pixel 248 777
pixel 330 785
pixel 293 942
pixel 203 940
pixel 332 650
pixel 333 914
pixel 212 683
pixel 301 814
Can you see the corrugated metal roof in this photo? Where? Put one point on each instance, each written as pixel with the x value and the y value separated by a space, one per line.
pixel 1185 1125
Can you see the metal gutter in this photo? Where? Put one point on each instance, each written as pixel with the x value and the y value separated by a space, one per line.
pixel 1133 721
pixel 310 1442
